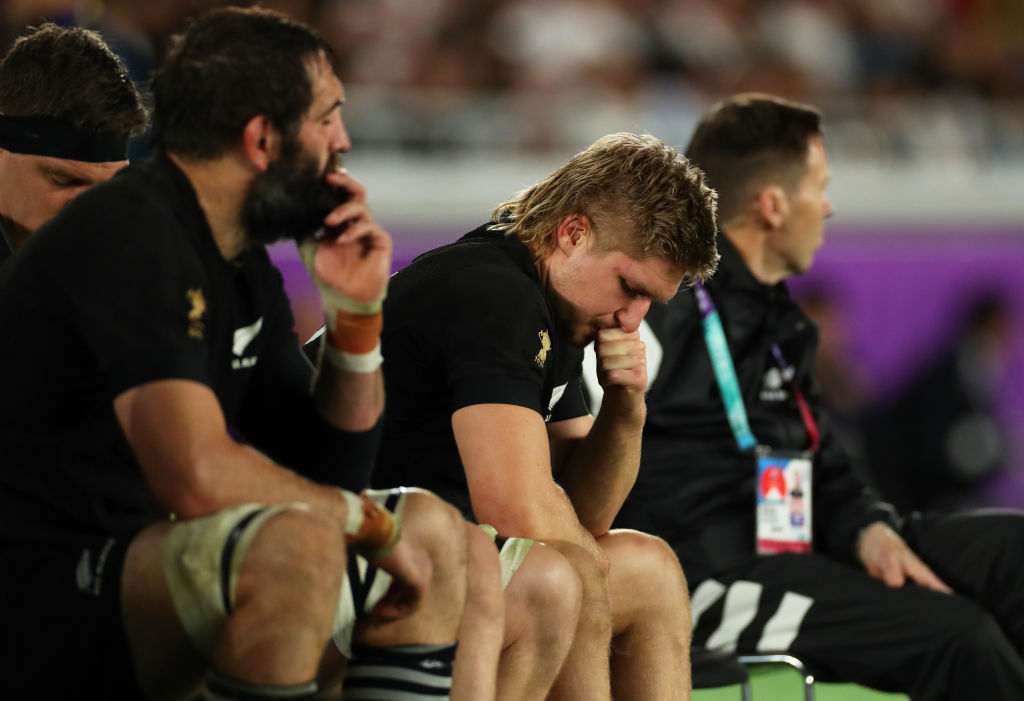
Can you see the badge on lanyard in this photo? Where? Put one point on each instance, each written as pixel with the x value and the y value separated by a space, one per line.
pixel 784 507
pixel 783 513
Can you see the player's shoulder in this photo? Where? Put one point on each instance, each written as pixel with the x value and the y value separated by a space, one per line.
pixel 480 263
pixel 144 205
pixel 132 226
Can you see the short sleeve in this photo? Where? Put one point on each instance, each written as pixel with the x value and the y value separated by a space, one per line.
pixel 494 339
pixel 134 294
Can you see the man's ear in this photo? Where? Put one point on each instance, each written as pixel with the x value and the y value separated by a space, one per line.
pixel 573 233
pixel 260 142
pixel 772 206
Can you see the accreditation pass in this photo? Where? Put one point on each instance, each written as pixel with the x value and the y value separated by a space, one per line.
pixel 784 504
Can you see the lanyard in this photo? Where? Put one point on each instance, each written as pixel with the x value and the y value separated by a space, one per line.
pixel 805 410
pixel 728 385
pixel 725 371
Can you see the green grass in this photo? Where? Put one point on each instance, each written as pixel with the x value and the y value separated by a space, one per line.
pixel 778 683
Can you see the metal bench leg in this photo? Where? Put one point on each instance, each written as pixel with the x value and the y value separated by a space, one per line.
pixel 793 662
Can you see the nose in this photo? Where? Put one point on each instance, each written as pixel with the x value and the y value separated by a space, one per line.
pixel 829 209
pixel 630 316
pixel 339 140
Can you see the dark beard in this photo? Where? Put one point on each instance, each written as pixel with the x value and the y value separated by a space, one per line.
pixel 288 200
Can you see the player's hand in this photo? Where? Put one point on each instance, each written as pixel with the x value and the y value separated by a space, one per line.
pixel 410 567
pixel 621 360
pixel 621 368
pixel 358 262
pixel 886 556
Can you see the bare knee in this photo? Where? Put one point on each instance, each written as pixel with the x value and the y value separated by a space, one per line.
pixel 297 555
pixel 644 559
pixel 438 528
pixel 595 608
pixel 646 577
pixel 545 595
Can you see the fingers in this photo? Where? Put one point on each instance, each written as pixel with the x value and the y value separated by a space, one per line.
pixel 354 213
pixel 367 233
pixel 397 602
pixel 349 212
pixel 621 359
pixel 410 566
pixel 923 575
pixel 411 569
pixel 891 572
pixel 887 557
pixel 343 179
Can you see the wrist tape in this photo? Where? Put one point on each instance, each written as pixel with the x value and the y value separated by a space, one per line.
pixel 370 529
pixel 353 328
pixel 352 342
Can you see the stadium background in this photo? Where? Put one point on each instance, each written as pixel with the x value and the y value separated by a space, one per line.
pixel 455 104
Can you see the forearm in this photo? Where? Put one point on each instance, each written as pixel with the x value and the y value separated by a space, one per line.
pixel 546 515
pixel 350 401
pixel 232 473
pixel 600 472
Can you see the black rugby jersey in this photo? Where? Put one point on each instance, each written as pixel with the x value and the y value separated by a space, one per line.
pixel 467 324
pixel 6 251
pixel 127 286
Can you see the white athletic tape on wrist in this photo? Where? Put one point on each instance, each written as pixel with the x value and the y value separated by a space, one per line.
pixel 355 511
pixel 370 528
pixel 353 362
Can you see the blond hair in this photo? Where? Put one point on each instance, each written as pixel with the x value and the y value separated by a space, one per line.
pixel 641 197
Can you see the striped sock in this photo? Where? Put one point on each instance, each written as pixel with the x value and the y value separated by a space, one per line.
pixel 402 673
pixel 220 687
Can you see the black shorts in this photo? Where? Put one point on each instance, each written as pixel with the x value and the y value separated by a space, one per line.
pixel 61 630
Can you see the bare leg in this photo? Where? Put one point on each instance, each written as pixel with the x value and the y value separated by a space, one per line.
pixel 651 618
pixel 293 565
pixel 542 607
pixel 585 673
pixel 474 677
pixel 440 531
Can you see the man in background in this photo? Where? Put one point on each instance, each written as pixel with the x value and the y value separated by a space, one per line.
pixel 67 111
pixel 820 568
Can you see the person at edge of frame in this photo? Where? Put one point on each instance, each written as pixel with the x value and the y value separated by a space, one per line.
pixel 932 604
pixel 67 112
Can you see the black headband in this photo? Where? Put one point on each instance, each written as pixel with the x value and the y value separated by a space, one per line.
pixel 42 136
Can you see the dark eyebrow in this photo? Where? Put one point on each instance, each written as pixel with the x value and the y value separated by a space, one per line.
pixel 337 105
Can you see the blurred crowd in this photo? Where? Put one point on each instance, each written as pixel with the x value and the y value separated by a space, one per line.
pixel 899 78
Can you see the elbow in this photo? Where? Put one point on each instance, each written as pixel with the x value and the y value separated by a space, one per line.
pixel 189 489
pixel 598 528
pixel 509 518
pixel 513 524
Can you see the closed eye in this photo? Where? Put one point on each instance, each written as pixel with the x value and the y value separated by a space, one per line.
pixel 63 180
